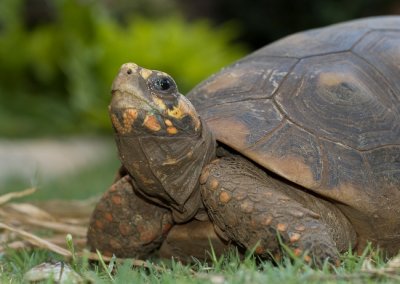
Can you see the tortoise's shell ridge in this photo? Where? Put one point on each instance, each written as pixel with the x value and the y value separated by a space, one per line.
pixel 319 108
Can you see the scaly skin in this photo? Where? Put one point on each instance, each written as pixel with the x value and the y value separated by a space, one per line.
pixel 251 208
pixel 126 225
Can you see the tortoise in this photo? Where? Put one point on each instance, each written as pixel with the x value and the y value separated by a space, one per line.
pixel 297 143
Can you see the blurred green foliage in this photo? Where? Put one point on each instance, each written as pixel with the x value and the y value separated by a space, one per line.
pixel 55 77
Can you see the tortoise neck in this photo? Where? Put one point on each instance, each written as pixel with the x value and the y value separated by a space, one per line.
pixel 166 170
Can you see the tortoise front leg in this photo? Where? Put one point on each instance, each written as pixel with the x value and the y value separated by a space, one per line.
pixel 252 208
pixel 127 225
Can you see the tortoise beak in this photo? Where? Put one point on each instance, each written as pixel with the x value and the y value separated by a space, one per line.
pixel 129 89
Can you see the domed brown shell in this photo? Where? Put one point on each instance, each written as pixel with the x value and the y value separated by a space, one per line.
pixel 320 108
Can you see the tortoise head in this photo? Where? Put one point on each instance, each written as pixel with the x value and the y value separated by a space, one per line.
pixel 161 139
pixel 147 102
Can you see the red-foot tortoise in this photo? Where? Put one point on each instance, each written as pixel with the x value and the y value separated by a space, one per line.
pixel 299 139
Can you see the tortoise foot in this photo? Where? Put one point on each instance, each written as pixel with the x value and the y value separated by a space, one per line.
pixel 126 225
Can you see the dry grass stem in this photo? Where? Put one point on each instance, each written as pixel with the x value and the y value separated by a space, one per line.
pixel 79 231
pixel 8 196
pixel 58 217
pixel 35 240
pixel 29 210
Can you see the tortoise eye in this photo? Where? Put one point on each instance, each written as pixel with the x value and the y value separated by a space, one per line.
pixel 163 84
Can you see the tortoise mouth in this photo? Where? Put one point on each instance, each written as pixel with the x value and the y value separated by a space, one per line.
pixel 122 100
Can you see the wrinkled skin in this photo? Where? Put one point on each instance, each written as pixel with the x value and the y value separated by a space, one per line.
pixel 126 225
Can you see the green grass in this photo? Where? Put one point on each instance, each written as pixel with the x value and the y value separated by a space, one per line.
pixel 227 269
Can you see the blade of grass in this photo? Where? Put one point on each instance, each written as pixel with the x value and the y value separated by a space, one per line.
pixel 103 264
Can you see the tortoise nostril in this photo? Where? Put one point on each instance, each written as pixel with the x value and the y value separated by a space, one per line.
pixel 129 72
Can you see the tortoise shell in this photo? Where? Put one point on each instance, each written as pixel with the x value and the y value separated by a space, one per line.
pixel 320 109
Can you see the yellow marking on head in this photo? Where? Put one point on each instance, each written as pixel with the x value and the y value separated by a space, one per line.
pixel 196 122
pixel 159 102
pixel 183 109
pixel 187 108
pixel 175 112
pixel 145 73
pixel 150 121
pixel 129 117
pixel 117 124
pixel 172 130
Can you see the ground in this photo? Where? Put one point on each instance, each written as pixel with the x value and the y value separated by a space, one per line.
pixel 50 158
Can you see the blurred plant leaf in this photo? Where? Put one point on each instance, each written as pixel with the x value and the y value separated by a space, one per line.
pixel 56 77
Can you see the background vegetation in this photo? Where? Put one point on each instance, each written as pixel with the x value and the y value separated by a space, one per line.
pixel 57 67
pixel 58 58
